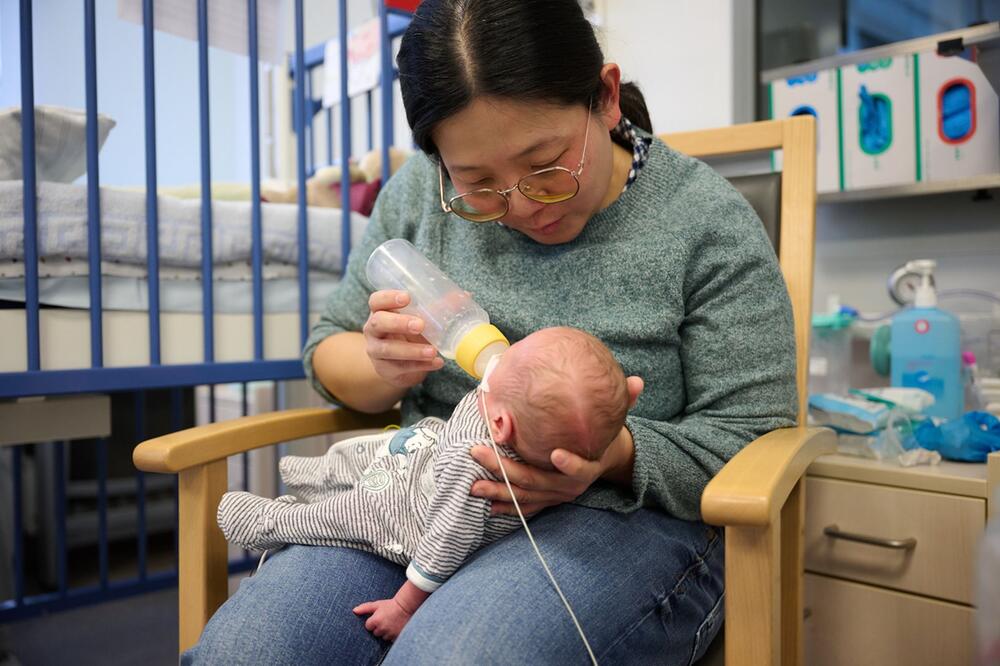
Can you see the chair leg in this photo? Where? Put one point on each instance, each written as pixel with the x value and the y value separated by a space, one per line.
pixel 792 565
pixel 202 571
pixel 753 590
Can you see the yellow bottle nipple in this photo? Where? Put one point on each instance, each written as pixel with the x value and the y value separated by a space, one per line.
pixel 474 343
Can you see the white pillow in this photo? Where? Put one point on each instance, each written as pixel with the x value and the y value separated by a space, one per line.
pixel 60 142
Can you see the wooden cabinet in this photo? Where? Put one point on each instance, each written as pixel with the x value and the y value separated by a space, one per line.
pixel 890 561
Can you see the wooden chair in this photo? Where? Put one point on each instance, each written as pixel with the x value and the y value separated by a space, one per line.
pixel 758 496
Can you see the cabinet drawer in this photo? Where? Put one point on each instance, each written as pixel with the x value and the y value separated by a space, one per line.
pixel 855 624
pixel 946 530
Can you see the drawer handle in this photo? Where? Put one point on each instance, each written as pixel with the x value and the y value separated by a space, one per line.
pixel 834 532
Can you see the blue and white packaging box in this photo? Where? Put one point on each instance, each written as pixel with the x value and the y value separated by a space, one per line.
pixel 878 123
pixel 959 119
pixel 814 94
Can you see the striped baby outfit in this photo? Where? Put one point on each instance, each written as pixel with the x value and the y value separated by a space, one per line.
pixel 401 494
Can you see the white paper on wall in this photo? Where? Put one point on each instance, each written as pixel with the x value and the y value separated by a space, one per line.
pixel 363 63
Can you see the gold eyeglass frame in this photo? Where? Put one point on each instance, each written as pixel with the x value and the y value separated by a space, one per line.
pixel 505 194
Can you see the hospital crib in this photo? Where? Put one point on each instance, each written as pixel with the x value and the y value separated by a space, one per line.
pixel 74 354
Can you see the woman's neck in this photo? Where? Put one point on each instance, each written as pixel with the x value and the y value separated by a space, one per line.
pixel 621 162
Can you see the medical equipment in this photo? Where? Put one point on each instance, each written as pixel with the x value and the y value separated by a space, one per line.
pixel 485 388
pixel 454 323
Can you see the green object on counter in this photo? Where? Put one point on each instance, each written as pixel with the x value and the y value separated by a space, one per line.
pixel 878 350
pixel 832 322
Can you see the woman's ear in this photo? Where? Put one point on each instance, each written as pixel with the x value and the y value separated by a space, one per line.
pixel 610 112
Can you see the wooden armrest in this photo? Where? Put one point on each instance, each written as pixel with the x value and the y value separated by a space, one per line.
pixel 197 446
pixel 751 489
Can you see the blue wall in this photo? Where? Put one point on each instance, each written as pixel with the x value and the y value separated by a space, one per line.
pixel 59 80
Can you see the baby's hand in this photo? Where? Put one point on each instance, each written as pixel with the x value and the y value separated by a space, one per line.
pixel 387 618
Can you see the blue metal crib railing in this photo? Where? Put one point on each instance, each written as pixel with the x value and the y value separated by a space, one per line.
pixel 36 381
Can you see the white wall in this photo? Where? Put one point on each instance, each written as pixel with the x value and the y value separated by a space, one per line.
pixel 693 60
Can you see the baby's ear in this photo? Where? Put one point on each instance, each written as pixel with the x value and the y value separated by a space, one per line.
pixel 502 426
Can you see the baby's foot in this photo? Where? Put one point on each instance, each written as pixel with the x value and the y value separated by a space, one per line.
pixel 248 520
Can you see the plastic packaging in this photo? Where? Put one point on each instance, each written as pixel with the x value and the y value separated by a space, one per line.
pixel 970 382
pixel 926 349
pixel 912 400
pixel 874 423
pixel 968 439
pixel 454 323
pixel 830 352
pixel 848 413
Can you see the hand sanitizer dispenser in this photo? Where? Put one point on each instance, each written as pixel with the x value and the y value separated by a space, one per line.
pixel 926 347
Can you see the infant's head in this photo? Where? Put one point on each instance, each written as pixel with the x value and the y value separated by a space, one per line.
pixel 560 388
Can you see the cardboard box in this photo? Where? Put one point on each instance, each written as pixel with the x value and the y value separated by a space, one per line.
pixel 959 119
pixel 814 94
pixel 878 121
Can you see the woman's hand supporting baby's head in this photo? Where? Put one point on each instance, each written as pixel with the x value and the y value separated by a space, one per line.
pixel 559 399
pixel 558 388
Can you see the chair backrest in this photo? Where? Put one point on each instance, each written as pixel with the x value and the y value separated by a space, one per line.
pixel 763 192
pixel 792 230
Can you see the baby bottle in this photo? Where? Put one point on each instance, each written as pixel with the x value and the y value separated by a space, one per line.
pixel 453 322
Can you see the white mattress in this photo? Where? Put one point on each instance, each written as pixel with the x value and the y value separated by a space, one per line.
pixel 62 228
pixel 63 270
pixel 280 294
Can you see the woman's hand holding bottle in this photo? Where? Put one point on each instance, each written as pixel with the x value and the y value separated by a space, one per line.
pixel 393 341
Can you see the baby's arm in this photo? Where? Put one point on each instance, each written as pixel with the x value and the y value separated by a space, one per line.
pixel 455 524
pixel 389 616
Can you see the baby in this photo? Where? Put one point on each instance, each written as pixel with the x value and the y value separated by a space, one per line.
pixel 404 494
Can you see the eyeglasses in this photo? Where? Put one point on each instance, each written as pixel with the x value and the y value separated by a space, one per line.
pixel 548 186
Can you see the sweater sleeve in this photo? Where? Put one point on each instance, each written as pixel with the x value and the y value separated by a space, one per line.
pixel 737 351
pixel 456 522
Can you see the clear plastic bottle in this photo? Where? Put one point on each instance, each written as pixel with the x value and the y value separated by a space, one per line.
pixel 454 323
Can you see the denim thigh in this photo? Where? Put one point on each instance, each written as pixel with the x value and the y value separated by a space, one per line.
pixel 646 588
pixel 297 610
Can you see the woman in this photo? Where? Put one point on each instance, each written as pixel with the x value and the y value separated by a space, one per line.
pixel 542 192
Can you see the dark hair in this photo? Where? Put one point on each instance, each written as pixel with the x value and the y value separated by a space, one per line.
pixel 532 50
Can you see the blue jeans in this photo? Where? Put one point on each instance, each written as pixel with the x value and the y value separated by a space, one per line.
pixel 646 588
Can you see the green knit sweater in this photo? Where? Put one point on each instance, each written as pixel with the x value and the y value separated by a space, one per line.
pixel 676 276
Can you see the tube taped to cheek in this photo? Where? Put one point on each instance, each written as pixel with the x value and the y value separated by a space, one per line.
pixel 490 367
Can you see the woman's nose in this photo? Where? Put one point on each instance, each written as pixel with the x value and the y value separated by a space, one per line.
pixel 521 206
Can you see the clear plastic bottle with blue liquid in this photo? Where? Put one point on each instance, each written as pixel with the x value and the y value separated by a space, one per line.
pixel 926 348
